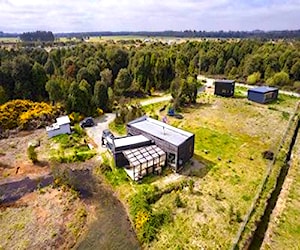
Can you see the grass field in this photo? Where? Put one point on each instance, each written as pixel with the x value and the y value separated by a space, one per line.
pixel 9 39
pixel 284 229
pixel 230 136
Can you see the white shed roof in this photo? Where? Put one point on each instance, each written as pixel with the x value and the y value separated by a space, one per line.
pixel 63 120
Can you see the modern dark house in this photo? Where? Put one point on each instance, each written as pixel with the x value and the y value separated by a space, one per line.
pixel 176 143
pixel 126 143
pixel 263 94
pixel 224 88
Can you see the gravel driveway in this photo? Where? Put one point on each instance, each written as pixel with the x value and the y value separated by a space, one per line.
pixel 95 132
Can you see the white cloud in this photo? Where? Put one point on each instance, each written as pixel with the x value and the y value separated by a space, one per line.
pixel 118 15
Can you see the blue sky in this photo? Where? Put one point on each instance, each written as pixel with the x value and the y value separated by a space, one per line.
pixel 150 15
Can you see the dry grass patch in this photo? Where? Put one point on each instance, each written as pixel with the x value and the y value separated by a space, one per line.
pixel 46 218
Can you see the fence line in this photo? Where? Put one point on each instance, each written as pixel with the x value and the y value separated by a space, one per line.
pixel 265 179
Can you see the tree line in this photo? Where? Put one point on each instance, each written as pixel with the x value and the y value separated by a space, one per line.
pixel 279 34
pixel 90 76
pixel 42 36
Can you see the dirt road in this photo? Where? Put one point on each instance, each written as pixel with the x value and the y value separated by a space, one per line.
pixel 153 100
pixel 95 132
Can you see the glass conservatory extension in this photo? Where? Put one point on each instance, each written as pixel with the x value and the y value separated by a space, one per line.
pixel 144 160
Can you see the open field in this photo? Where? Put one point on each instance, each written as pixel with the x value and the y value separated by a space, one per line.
pixel 14 162
pixel 47 218
pixel 43 218
pixel 284 227
pixel 225 174
pixel 9 39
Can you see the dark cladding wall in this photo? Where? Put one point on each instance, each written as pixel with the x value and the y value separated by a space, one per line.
pixel 186 151
pixel 225 89
pixel 261 97
pixel 182 151
pixel 120 159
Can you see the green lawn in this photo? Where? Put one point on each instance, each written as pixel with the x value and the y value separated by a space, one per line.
pixel 230 136
pixel 71 148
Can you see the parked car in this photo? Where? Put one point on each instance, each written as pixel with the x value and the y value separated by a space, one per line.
pixel 87 122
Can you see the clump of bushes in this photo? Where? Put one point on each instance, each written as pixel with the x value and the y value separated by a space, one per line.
pixel 32 155
pixel 26 114
pixel 72 148
pixel 178 202
pixel 147 222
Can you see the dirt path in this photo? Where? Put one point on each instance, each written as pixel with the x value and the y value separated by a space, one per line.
pixel 156 100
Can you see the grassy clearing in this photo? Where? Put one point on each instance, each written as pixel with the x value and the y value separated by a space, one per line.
pixel 230 136
pixel 71 148
pixel 284 226
pixel 117 129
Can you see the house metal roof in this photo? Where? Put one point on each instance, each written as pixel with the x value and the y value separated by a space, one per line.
pixel 263 89
pixel 129 140
pixel 161 130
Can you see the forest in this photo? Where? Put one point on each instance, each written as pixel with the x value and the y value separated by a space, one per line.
pixel 43 36
pixel 89 76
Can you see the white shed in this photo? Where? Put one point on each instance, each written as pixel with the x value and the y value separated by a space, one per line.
pixel 62 126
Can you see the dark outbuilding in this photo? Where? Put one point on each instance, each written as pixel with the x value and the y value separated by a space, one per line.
pixel 224 88
pixel 176 143
pixel 263 94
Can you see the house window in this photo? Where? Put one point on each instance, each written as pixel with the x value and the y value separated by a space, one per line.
pixel 171 158
pixel 269 96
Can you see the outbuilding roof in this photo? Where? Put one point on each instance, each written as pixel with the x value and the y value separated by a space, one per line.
pixel 263 89
pixel 225 81
pixel 63 120
pixel 130 140
pixel 161 130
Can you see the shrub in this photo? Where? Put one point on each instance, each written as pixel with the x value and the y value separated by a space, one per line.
pixel 178 202
pixel 79 130
pixel 146 221
pixel 27 114
pixel 99 112
pixel 191 186
pixel 32 155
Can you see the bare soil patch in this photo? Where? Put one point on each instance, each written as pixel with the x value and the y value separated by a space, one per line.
pixel 14 162
pixel 45 219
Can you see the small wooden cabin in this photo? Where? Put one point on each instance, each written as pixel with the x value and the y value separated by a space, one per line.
pixel 262 94
pixel 176 143
pixel 224 88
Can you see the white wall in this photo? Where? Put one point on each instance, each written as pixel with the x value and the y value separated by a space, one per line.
pixel 63 129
